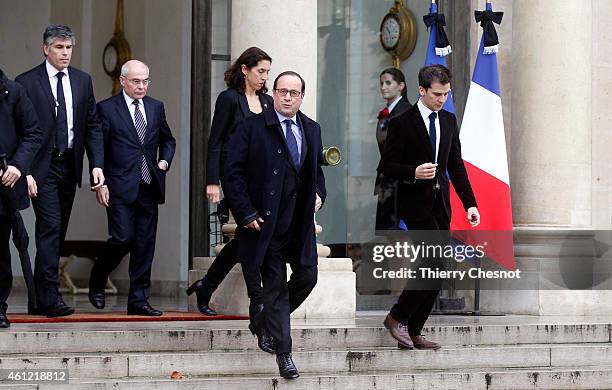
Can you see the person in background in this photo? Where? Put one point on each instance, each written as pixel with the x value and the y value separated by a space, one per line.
pixel 393 90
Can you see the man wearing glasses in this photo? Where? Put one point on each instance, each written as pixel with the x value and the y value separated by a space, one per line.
pixel 274 184
pixel 64 102
pixel 139 147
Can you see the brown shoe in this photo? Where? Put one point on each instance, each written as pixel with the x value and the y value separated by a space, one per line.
pixel 421 342
pixel 399 332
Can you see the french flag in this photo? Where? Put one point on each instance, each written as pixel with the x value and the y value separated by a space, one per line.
pixel 483 147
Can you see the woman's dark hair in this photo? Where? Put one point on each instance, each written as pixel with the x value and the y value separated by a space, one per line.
pixel 398 76
pixel 234 78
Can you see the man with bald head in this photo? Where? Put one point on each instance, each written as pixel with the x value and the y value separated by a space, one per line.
pixel 138 146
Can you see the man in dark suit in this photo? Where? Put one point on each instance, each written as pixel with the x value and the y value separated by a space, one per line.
pixel 139 147
pixel 20 138
pixel 422 146
pixel 64 101
pixel 274 184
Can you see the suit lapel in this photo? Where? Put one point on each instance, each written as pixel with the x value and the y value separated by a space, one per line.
pixel 124 113
pixel 46 86
pixel 74 88
pixel 421 131
pixel 149 111
pixel 445 133
pixel 244 105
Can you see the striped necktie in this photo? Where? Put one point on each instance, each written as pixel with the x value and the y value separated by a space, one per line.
pixel 292 143
pixel 141 129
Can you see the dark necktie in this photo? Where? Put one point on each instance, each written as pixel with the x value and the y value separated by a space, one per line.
pixel 61 132
pixel 432 133
pixel 141 129
pixel 292 143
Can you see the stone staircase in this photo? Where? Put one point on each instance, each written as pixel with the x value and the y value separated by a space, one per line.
pixel 496 353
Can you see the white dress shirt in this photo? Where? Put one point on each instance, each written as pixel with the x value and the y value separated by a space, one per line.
pixel 425 113
pixel 391 106
pixel 294 128
pixel 129 101
pixel 52 73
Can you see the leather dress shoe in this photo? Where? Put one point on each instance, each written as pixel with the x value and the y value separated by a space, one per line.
pixel 399 332
pixel 59 309
pixel 265 342
pixel 421 342
pixel 144 310
pixel 203 297
pixel 286 368
pixel 97 299
pixel 4 322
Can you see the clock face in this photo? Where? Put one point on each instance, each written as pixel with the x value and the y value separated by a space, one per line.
pixel 390 32
pixel 110 58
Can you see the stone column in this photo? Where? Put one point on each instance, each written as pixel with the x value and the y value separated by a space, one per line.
pixel 551 159
pixel 551 113
pixel 287 31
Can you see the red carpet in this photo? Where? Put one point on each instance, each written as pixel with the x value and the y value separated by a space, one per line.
pixel 119 316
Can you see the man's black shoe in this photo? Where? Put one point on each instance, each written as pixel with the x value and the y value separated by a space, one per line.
pixel 144 310
pixel 265 342
pixel 203 297
pixel 34 310
pixel 59 309
pixel 97 299
pixel 4 322
pixel 286 368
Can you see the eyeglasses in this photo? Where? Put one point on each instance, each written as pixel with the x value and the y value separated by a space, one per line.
pixel 292 92
pixel 137 82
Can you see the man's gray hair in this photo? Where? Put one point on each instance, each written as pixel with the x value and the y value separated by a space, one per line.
pixel 58 31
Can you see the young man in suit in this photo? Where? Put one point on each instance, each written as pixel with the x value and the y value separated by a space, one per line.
pixel 274 185
pixel 422 146
pixel 20 139
pixel 64 102
pixel 139 147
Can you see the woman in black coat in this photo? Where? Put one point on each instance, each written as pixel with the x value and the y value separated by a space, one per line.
pixel 393 90
pixel 244 97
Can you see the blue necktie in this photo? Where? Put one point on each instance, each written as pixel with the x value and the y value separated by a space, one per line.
pixel 432 133
pixel 292 143
pixel 61 132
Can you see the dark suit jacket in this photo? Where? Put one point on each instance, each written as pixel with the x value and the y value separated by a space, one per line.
pixel 123 150
pixel 230 109
pixel 253 181
pixel 20 138
pixel 86 125
pixel 407 146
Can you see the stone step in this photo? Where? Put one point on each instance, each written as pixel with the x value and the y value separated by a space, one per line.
pixel 537 378
pixel 164 337
pixel 332 362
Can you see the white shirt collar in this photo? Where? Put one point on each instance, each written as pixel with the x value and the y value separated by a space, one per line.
pixel 129 100
pixel 425 112
pixel 394 103
pixel 52 71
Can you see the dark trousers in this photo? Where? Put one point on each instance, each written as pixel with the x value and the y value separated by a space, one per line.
pixel 6 273
pixel 132 229
pixel 52 208
pixel 414 306
pixel 223 264
pixel 282 297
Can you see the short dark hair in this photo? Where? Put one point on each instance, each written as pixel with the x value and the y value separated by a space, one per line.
pixel 434 74
pixel 290 73
pixel 234 78
pixel 55 31
pixel 398 76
